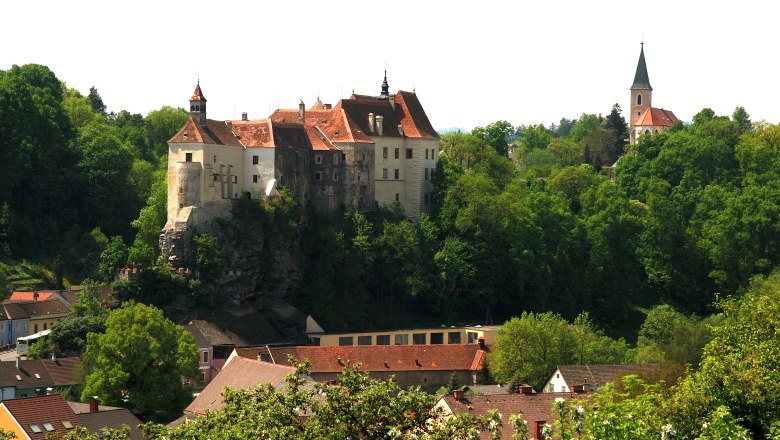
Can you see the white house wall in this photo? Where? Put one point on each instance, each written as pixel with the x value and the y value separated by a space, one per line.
pixel 264 170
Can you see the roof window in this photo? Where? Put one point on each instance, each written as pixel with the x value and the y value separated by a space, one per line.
pixel 67 424
pixel 48 426
pixel 36 429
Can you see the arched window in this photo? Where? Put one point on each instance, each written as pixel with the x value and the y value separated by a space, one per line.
pixel 192 108
pixel 638 99
pixel 656 131
pixel 647 131
pixel 197 108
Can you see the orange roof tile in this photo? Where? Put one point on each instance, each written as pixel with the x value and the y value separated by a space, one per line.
pixel 214 132
pixel 413 118
pixel 254 134
pixel 241 373
pixel 30 296
pixel 533 407
pixel 454 357
pixel 656 117
pixel 38 411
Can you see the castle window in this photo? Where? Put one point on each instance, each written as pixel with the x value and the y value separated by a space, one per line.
pixel 384 173
pixel 426 174
pixel 197 108
pixel 397 153
pixel 408 153
pixel 235 179
pixel 397 198
pixel 397 174
pixel 192 108
pixel 215 158
pixel 255 160
pixel 335 175
pixel 384 152
pixel 426 154
pixel 254 178
pixel 638 99
pixel 188 157
pixel 426 200
pixel 318 175
pixel 647 131
pixel 382 339
pixel 343 156
pixel 335 158
pixel 318 159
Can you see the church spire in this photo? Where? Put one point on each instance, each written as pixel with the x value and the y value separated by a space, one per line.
pixel 641 79
pixel 198 105
pixel 385 95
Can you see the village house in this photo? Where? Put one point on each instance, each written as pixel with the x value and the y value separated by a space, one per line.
pixel 37 418
pixel 589 378
pixel 535 409
pixel 96 417
pixel 27 378
pixel 477 334
pixel 429 366
pixel 643 117
pixel 214 347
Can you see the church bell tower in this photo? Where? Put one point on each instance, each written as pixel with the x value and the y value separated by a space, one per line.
pixel 641 93
pixel 198 106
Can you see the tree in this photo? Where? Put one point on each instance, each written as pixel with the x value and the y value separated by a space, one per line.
pixel 742 118
pixel 113 257
pixel 496 135
pixel 149 223
pixel 161 125
pixel 139 363
pixel 207 257
pixel 96 102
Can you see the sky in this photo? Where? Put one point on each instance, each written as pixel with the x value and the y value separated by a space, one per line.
pixel 471 63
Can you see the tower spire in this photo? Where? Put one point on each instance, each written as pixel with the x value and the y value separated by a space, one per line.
pixel 385 88
pixel 641 78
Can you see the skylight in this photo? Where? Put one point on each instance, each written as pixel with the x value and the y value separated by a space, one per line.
pixel 67 424
pixel 48 426
pixel 37 376
pixel 35 428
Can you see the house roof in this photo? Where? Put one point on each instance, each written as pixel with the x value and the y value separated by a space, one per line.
pixel 63 371
pixel 197 95
pixel 255 133
pixel 454 357
pixel 656 117
pixel 207 334
pixel 39 373
pixel 39 309
pixel 533 407
pixel 110 417
pixel 30 296
pixel 600 374
pixel 489 389
pixel 13 310
pixel 241 373
pixel 641 78
pixel 214 132
pixel 40 411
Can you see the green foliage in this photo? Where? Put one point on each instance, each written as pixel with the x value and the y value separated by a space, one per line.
pixel 358 408
pixel 496 135
pixel 207 258
pixel 139 361
pixel 528 348
pixel 150 221
pixel 113 257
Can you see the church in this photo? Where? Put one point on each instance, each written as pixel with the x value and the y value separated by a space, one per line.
pixel 365 152
pixel 643 117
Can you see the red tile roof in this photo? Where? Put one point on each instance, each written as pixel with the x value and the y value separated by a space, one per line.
pixel 413 118
pixel 533 407
pixel 63 371
pixel 656 117
pixel 454 357
pixel 254 134
pixel 214 132
pixel 37 411
pixel 241 373
pixel 30 296
pixel 39 373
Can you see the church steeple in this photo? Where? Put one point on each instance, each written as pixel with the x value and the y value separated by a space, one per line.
pixel 641 93
pixel 385 95
pixel 198 105
pixel 641 79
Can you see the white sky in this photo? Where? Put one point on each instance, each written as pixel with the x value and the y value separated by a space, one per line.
pixel 472 63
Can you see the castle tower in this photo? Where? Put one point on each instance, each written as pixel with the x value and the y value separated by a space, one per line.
pixel 641 93
pixel 385 95
pixel 198 106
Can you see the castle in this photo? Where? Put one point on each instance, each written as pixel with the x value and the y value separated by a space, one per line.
pixel 366 152
pixel 643 117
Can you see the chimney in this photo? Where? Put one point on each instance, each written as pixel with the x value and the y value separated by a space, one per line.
pixel 301 112
pixel 18 363
pixel 379 124
pixel 341 362
pixel 371 121
pixel 35 295
pixel 481 341
pixel 400 129
pixel 49 391
pixel 53 356
pixel 328 106
pixel 93 404
pixel 37 392
pixel 578 388
pixel 458 394
pixel 244 116
pixel 526 389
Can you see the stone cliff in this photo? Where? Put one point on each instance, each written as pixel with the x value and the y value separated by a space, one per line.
pixel 259 266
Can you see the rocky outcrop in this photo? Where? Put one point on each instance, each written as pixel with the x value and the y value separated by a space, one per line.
pixel 259 263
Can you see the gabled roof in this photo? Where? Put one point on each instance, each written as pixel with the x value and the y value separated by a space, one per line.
pixel 207 335
pixel 533 407
pixel 39 411
pixel 413 118
pixel 656 117
pixel 110 417
pixel 13 310
pixel 600 374
pixel 641 78
pixel 38 309
pixel 240 373
pixel 255 133
pixel 32 373
pixel 452 357
pixel 214 132
pixel 63 371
